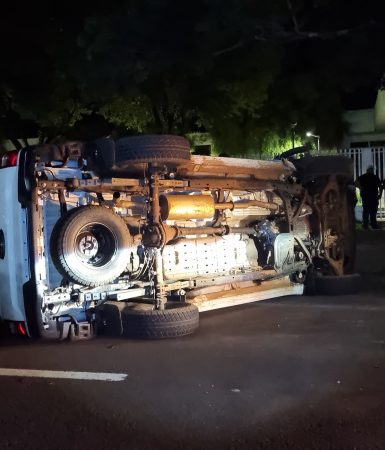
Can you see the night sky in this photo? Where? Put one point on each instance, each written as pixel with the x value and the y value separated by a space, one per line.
pixel 241 70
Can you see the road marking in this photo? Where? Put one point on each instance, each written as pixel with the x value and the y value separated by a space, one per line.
pixel 90 376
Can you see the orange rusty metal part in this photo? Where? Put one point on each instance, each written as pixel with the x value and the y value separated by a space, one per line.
pixel 200 166
pixel 119 203
pixel 179 207
pixel 248 204
pixel 333 212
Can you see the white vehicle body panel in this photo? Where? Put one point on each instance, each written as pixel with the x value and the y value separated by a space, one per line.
pixel 14 268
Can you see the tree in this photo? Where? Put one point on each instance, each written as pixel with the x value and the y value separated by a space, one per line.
pixel 240 69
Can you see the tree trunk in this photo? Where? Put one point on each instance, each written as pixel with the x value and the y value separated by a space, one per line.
pixel 158 120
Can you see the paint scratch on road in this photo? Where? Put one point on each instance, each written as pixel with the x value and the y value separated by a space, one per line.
pixel 89 376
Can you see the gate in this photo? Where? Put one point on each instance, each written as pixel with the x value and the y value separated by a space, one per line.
pixel 362 158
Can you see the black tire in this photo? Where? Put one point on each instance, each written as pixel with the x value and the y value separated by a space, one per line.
pixel 158 149
pixel 177 319
pixel 350 238
pixel 309 284
pixel 337 285
pixel 107 238
pixel 100 154
pixel 108 320
pixel 311 168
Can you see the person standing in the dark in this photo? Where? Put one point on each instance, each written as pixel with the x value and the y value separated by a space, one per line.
pixel 371 191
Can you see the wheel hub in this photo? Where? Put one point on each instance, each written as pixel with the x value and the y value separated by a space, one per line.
pixel 95 245
pixel 89 246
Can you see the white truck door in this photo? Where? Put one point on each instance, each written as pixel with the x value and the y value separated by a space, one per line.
pixel 14 262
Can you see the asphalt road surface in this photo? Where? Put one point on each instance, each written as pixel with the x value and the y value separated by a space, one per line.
pixel 292 373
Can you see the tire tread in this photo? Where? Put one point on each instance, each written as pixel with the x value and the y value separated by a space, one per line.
pixel 152 148
pixel 337 285
pixel 178 320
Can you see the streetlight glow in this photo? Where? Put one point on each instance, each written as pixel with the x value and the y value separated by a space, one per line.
pixel 310 134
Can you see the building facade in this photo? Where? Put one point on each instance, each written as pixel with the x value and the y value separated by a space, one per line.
pixel 365 143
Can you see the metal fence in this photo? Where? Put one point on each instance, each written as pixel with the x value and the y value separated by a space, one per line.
pixel 362 158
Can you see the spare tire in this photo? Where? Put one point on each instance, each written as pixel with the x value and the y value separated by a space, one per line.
pixel 89 245
pixel 155 149
pixel 175 320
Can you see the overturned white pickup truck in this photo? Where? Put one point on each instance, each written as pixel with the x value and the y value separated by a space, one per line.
pixel 135 237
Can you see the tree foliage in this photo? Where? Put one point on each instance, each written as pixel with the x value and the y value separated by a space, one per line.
pixel 242 70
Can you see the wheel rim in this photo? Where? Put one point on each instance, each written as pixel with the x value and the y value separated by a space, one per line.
pixel 95 245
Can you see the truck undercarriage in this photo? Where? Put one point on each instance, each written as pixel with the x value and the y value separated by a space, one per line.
pixel 139 245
